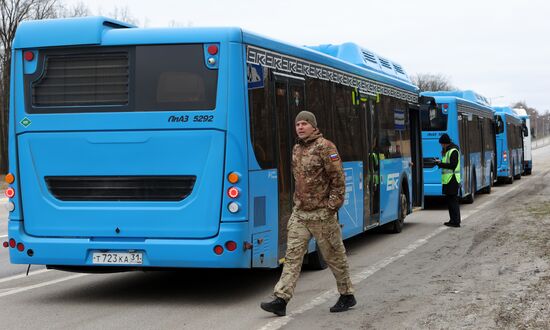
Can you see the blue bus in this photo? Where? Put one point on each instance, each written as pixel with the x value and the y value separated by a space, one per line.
pixel 510 130
pixel 468 119
pixel 135 148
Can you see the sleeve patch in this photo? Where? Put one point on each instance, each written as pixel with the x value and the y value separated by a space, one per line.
pixel 334 157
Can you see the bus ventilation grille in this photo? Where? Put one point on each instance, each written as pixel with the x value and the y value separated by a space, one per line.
pixel 83 80
pixel 120 188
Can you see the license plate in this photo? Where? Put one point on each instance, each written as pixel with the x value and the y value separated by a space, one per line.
pixel 117 258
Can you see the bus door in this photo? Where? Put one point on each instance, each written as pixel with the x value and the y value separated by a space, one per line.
pixel 463 128
pixel 425 105
pixel 289 98
pixel 371 171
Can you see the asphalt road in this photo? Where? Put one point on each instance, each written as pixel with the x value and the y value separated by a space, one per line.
pixel 222 299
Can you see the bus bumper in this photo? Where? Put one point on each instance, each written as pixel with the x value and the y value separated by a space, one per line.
pixel 503 172
pixel 185 253
pixel 432 189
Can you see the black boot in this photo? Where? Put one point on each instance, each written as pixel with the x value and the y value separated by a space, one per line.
pixel 344 303
pixel 277 306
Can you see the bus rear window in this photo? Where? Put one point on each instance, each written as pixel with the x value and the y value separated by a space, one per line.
pixel 434 119
pixel 141 78
pixel 174 78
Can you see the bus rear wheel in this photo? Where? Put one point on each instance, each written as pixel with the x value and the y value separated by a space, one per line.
pixel 490 186
pixel 510 179
pixel 397 225
pixel 472 196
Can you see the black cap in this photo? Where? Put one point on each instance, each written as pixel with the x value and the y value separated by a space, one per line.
pixel 445 139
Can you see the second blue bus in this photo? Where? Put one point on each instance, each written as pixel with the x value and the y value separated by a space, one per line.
pixel 468 119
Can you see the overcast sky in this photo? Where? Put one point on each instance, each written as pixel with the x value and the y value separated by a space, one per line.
pixel 499 48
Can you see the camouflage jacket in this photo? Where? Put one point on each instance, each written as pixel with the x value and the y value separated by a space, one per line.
pixel 318 173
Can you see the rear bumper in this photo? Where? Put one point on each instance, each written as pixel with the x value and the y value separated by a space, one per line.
pixel 185 253
pixel 503 172
pixel 432 189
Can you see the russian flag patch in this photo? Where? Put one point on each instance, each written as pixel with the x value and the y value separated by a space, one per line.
pixel 334 157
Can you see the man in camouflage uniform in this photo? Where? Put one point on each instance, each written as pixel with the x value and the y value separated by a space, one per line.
pixel 320 191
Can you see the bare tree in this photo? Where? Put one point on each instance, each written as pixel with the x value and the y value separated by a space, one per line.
pixel 432 82
pixel 123 14
pixel 12 12
pixel 77 10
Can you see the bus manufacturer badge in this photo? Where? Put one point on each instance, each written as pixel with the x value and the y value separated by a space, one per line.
pixel 25 122
pixel 393 180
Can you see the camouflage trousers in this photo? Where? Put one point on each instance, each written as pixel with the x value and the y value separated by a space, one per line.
pixel 323 225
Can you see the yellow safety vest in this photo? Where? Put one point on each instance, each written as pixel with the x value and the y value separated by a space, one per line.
pixel 447 174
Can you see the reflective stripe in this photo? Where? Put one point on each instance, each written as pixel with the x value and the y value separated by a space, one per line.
pixel 447 174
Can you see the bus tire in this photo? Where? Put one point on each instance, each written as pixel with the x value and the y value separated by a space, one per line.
pixel 528 171
pixel 397 225
pixel 510 179
pixel 517 176
pixel 490 186
pixel 472 196
pixel 315 260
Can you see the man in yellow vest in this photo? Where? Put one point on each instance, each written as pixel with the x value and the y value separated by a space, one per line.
pixel 450 178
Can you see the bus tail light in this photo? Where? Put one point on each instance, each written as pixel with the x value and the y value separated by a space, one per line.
pixel 12 243
pixel 20 247
pixel 233 192
pixel 29 56
pixel 212 49
pixel 10 192
pixel 504 156
pixel 10 206
pixel 218 249
pixel 230 246
pixel 5 244
pixel 233 177
pixel 9 178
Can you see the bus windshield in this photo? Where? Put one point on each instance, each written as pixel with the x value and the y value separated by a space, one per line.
pixel 434 119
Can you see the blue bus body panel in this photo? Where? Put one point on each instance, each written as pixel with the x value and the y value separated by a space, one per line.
pixel 263 209
pixel 128 154
pixel 432 176
pixel 431 147
pixel 68 32
pixel 350 214
pixel 321 58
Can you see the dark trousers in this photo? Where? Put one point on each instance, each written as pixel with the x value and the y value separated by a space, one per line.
pixel 454 209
